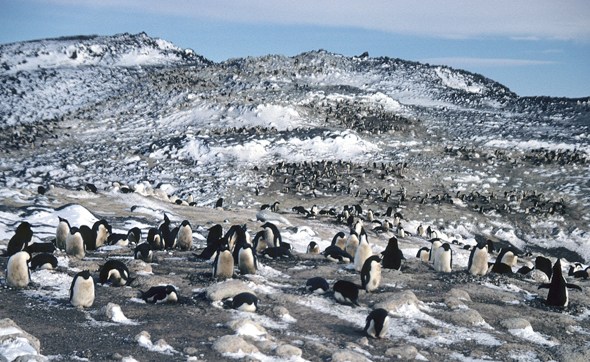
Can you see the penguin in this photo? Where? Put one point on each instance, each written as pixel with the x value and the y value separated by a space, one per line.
pixel 160 294
pixel 339 240
pixel 401 233
pixel 363 252
pixel 18 274
pixel 392 256
pixel 223 266
pixel 134 235
pixel 115 272
pixel 214 240
pixel 235 236
pixel 75 243
pixel 168 236
pixel 247 263
pixel 505 261
pixel 543 264
pixel 88 236
pixel 313 248
pixel 443 261
pixel 61 233
pixel 245 302
pixel 21 238
pixel 260 241
pixel 43 247
pixel 82 290
pixel 317 285
pixel 143 251
pixel 219 203
pixel 44 261
pixel 272 234
pixel 423 254
pixel 155 240
pixel 101 230
pixel 420 231
pixel 478 259
pixel 558 294
pixel 346 292
pixel 352 242
pixel 371 273
pixel 436 244
pixel 184 238
pixel 377 323
pixel 277 252
pixel 336 254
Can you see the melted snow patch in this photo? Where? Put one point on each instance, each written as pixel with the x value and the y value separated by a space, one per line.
pixel 457 81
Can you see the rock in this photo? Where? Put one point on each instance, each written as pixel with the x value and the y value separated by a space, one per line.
pixel 515 323
pixel 399 300
pixel 467 317
pixel 572 353
pixel 288 351
pixel 364 341
pixel 348 356
pixel 424 332
pixel 459 294
pixel 226 289
pixel 15 342
pixel 454 303
pixel 139 266
pixel 191 351
pixel 280 311
pixel 407 353
pixel 233 344
pixel 322 350
pixel 247 327
pixel 30 358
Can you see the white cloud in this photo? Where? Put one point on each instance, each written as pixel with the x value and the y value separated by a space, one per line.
pixel 466 62
pixel 520 19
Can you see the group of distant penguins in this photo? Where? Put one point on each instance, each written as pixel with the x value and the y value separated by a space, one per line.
pixel 236 248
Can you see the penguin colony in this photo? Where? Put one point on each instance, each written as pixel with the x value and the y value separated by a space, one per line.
pixel 235 253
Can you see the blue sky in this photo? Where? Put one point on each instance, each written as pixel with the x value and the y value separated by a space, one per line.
pixel 534 47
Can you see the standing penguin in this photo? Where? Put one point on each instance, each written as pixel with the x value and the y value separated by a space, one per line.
pixel 346 292
pixel 82 290
pixel 247 263
pixel 75 243
pixel 154 238
pixel 377 323
pixel 436 244
pixel 168 235
pixel 505 261
pixel 352 242
pixel 160 294
pixel 184 238
pixel 371 273
pixel 339 240
pixel 423 254
pixel 61 233
pixel 101 230
pixel 478 259
pixel 558 294
pixel 392 255
pixel 115 272
pixel 223 266
pixel 363 252
pixel 272 234
pixel 21 238
pixel 313 248
pixel 17 270
pixel 443 261
pixel 214 240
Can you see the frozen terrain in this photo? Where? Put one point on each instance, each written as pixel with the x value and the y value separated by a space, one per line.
pixel 446 148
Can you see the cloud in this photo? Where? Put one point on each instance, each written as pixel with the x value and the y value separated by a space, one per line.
pixel 522 19
pixel 466 62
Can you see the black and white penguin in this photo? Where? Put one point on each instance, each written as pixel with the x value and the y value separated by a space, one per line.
pixel 75 243
pixel 436 244
pixel 277 252
pixel 346 292
pixel 160 294
pixel 423 254
pixel 155 240
pixel 219 203
pixel 245 302
pixel 377 323
pixel 18 274
pixel 82 290
pixel 420 231
pixel 168 235
pixel 443 262
pixel 317 285
pixel 371 273
pixel 134 235
pixel 144 252
pixel 543 264
pixel 505 261
pixel 101 230
pixel 223 266
pixel 272 234
pixel 558 294
pixel 478 259
pixel 392 256
pixel 214 240
pixel 313 248
pixel 339 240
pixel 43 261
pixel 363 251
pixel 21 238
pixel 114 272
pixel 247 263
pixel 61 233
pixel 184 238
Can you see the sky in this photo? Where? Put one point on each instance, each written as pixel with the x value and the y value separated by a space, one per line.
pixel 534 47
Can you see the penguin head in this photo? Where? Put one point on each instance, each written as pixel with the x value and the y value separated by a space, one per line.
pixel 557 269
pixel 61 219
pixel 185 223
pixel 84 274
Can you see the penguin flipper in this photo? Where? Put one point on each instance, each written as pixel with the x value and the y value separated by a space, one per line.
pixel 544 285
pixel 573 286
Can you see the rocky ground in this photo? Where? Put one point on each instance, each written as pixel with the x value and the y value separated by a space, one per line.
pixel 435 316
